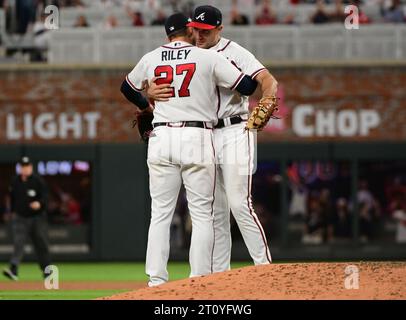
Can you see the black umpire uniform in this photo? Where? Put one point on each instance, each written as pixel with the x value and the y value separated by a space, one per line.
pixel 29 197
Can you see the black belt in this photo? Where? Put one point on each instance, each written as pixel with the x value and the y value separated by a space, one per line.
pixel 181 124
pixel 233 120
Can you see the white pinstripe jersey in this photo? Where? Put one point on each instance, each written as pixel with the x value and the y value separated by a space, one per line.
pixel 231 102
pixel 194 75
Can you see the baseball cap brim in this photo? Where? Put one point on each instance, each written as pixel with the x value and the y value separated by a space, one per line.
pixel 200 25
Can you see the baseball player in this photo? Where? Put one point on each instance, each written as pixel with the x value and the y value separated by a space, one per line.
pixel 233 185
pixel 181 145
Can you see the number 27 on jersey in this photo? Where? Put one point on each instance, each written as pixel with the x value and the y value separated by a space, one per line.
pixel 166 74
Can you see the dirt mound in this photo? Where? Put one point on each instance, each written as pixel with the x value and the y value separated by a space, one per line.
pixel 376 280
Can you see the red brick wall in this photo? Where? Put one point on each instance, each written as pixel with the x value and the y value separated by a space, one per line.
pixel 372 89
pixel 377 90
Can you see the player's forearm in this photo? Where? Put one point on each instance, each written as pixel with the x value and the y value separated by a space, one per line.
pixel 134 96
pixel 267 83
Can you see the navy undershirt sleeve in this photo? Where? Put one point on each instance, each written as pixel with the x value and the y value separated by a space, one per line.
pixel 247 86
pixel 134 96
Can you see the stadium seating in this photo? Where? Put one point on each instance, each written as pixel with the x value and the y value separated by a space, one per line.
pixel 94 16
pixel 117 46
pixel 402 45
pixel 376 42
pixel 268 43
pixel 2 23
pixel 97 15
pixel 301 12
pixel 301 41
pixel 325 42
pixel 74 46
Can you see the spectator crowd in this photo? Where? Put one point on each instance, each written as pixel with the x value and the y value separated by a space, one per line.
pixel 27 12
pixel 28 16
pixel 323 203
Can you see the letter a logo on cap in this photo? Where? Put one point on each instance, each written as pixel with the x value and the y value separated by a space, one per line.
pixel 201 16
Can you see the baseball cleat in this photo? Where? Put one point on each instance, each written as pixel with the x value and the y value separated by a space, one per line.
pixel 155 284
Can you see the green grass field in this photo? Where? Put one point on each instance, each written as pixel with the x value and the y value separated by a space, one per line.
pixel 76 273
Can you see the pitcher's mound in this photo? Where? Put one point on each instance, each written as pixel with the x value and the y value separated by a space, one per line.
pixel 374 280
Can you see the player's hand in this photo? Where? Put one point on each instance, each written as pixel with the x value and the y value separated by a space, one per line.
pixel 161 92
pixel 149 109
pixel 35 205
pixel 138 113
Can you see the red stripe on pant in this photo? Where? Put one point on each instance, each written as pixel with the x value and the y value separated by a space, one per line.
pixel 212 204
pixel 249 202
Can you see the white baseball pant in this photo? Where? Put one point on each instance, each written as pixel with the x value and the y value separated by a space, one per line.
pixel 176 155
pixel 235 152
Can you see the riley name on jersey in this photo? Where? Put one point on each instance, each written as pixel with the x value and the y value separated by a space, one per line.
pixel 181 54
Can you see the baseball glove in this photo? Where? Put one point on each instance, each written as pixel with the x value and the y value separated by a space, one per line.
pixel 261 114
pixel 143 121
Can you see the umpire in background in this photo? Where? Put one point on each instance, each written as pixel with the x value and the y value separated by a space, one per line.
pixel 29 197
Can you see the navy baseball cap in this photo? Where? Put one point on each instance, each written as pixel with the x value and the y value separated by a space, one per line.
pixel 25 161
pixel 176 22
pixel 206 17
